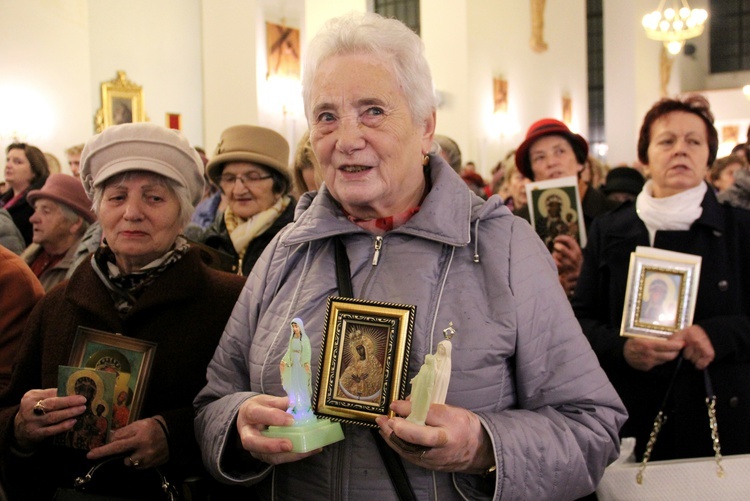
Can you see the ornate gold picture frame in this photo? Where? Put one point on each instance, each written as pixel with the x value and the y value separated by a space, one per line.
pixel 129 358
pixel 122 102
pixel 661 292
pixel 364 359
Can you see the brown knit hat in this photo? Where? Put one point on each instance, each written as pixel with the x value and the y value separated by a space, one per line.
pixel 249 143
pixel 66 190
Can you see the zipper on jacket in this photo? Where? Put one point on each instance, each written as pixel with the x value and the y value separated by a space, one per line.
pixel 378 245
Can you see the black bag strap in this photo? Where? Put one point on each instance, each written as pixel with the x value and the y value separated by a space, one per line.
pixel 391 459
pixel 343 272
pixel 661 418
pixel 168 489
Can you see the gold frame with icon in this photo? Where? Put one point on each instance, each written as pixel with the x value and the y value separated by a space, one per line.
pixel 364 359
pixel 661 293
pixel 122 102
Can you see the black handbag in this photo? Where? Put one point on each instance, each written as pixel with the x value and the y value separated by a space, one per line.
pixel 97 485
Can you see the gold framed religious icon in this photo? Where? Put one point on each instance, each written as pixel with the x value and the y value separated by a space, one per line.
pixel 364 359
pixel 122 102
pixel 661 292
pixel 555 209
pixel 128 358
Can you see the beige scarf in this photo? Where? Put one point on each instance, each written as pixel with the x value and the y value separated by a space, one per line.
pixel 243 231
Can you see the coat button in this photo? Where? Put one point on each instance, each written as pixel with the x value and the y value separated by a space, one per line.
pixel 723 285
pixel 734 402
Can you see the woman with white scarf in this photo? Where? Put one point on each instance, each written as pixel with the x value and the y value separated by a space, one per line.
pixel 675 211
pixel 250 168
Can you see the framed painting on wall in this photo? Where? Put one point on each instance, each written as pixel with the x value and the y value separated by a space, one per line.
pixel 122 102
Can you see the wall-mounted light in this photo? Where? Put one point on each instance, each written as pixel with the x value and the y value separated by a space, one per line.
pixel 500 93
pixel 25 115
pixel 567 110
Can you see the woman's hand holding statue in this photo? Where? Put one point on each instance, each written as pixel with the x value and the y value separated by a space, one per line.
pixel 57 416
pixel 255 415
pixel 454 438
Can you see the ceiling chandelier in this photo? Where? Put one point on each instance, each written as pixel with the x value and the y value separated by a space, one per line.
pixel 674 24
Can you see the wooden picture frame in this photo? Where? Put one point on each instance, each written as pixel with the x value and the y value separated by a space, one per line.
pixel 129 358
pixel 122 102
pixel 542 195
pixel 661 293
pixel 364 359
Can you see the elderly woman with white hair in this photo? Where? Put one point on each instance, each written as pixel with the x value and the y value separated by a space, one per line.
pixel 145 283
pixel 527 398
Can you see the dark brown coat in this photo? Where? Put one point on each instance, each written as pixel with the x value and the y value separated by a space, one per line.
pixel 184 311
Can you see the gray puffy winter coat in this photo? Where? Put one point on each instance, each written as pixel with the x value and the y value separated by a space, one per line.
pixel 519 359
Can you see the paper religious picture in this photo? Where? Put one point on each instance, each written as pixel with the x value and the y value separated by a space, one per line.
pixel 364 360
pixel 555 209
pixel 661 291
pixel 92 427
pixel 129 359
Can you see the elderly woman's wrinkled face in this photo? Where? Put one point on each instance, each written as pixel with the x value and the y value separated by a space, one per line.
pixel 248 188
pixel 140 219
pixel 677 153
pixel 362 131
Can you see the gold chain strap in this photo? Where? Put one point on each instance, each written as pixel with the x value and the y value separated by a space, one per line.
pixel 661 418
pixel 711 404
pixel 658 423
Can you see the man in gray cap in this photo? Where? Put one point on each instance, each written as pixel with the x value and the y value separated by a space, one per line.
pixel 62 213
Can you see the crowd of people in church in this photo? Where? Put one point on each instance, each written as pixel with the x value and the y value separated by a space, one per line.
pixel 209 256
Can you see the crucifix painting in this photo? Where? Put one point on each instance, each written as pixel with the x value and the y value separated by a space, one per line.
pixel 283 51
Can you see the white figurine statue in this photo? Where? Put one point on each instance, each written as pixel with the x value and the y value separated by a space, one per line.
pixel 442 372
pixel 421 391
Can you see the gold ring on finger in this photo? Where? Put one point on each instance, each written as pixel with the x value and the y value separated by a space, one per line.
pixel 40 409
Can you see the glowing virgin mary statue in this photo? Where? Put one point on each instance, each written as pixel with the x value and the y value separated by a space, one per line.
pixel 308 431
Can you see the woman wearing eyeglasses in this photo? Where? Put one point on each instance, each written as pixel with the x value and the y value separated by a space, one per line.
pixel 250 167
